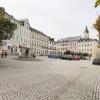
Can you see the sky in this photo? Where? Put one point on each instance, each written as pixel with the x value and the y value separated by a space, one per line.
pixel 56 18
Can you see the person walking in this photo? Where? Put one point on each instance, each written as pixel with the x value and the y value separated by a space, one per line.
pixel 6 54
pixel 89 56
pixel 34 55
pixel 2 54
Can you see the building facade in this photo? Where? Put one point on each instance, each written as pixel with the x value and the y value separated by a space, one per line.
pixel 87 44
pixel 26 38
pixel 21 39
pixel 40 43
pixel 81 44
pixel 67 44
pixel 51 46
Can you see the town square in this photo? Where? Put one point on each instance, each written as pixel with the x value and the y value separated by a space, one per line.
pixel 49 79
pixel 50 50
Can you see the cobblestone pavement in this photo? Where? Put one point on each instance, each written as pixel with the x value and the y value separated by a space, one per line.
pixel 50 79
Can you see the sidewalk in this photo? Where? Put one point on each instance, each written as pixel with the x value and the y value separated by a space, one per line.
pixel 15 57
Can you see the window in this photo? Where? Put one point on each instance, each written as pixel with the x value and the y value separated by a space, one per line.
pixel 66 44
pixel 90 49
pixel 17 38
pixel 21 39
pixel 8 47
pixel 87 49
pixel 87 44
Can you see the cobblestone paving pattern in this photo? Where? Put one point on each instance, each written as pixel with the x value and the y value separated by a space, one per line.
pixel 50 79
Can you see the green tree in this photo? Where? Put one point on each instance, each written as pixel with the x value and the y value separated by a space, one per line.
pixel 6 29
pixel 97 3
pixel 97 26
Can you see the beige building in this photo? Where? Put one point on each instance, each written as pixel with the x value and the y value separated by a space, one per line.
pixel 78 44
pixel 40 43
pixel 61 47
pixel 70 43
pixel 87 45
pixel 21 40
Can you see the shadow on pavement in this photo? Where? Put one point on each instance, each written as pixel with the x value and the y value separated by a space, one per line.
pixel 27 59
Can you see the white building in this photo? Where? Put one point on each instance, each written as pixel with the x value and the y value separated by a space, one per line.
pixel 40 42
pixel 51 47
pixel 21 40
pixel 25 38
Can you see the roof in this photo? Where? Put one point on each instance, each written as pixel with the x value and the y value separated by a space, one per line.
pixel 24 20
pixel 70 39
pixel 51 39
pixel 86 30
pixel 87 40
pixel 37 31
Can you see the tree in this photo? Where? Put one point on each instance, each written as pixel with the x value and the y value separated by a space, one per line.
pixel 6 29
pixel 67 52
pixel 97 26
pixel 97 3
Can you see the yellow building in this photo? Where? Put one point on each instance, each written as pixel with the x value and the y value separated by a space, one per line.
pixel 87 44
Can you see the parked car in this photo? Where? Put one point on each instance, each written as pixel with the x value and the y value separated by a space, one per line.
pixel 96 61
pixel 83 58
pixel 53 56
pixel 57 56
pixel 76 57
pixel 68 57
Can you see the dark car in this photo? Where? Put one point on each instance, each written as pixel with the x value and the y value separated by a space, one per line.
pixel 96 61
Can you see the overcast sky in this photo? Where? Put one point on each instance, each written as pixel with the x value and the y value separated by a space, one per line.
pixel 56 18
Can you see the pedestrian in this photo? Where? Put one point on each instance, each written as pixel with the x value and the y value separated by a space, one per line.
pixel 89 56
pixel 2 54
pixel 6 54
pixel 34 55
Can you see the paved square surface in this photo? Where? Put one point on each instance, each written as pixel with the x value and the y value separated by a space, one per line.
pixel 50 79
